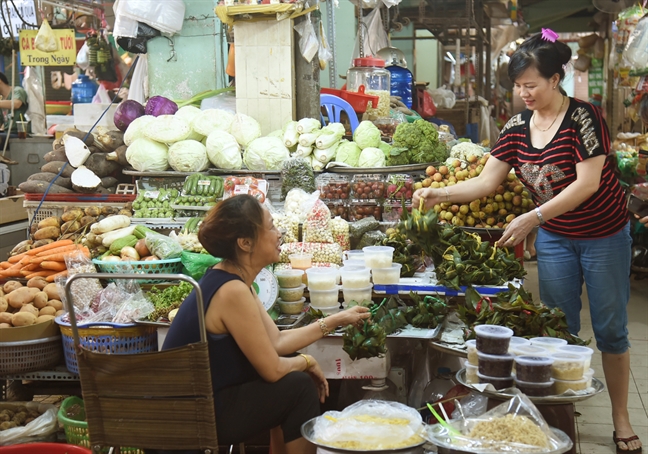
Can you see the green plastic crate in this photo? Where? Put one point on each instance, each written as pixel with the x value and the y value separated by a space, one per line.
pixel 76 430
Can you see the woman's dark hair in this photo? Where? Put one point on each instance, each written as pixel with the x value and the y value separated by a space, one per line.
pixel 547 57
pixel 4 79
pixel 643 109
pixel 240 216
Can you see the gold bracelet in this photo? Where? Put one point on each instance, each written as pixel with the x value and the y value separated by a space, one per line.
pixel 447 194
pixel 323 327
pixel 308 363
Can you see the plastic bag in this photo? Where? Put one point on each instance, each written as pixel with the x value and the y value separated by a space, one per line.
pixel 316 228
pixel 513 426
pixel 308 43
pixel 137 45
pixel 443 99
pixel 636 52
pixel 370 425
pixel 196 265
pixel 84 290
pixel 373 35
pixel 167 16
pixel 106 303
pixel 163 246
pixel 137 307
pixel 295 200
pixel 288 225
pixel 340 231
pixel 45 38
pixel 359 228
pixel 40 428
pixel 124 26
pixel 371 238
pixel 296 173
pixel 322 252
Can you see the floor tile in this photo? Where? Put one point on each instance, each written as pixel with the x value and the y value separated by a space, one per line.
pixel 602 415
pixel 600 434
pixel 593 448
pixel 603 400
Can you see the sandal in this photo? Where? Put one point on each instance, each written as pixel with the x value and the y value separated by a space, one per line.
pixel 626 441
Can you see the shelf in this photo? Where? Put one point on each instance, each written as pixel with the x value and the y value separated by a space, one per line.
pixel 60 373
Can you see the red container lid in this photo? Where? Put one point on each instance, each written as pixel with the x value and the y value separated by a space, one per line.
pixel 369 62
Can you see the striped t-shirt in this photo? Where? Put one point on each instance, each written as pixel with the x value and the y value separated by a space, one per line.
pixel 583 134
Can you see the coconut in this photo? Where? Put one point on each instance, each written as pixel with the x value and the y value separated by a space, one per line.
pixel 85 180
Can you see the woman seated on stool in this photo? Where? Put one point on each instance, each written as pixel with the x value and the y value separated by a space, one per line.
pixel 257 386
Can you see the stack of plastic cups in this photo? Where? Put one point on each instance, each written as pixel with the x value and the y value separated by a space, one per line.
pixel 571 368
pixel 379 260
pixel 301 261
pixel 356 284
pixel 323 289
pixel 291 291
pixel 495 363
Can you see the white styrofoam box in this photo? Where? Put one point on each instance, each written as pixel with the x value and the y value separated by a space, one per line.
pixel 85 115
pixel 336 364
pixel 59 120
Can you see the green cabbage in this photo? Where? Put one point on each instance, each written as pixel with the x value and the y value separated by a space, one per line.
pixel 188 156
pixel 367 135
pixel 372 157
pixel 148 156
pixel 245 129
pixel 224 151
pixel 136 129
pixel 265 153
pixel 348 153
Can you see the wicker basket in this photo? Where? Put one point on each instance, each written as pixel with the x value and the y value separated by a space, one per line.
pixel 147 267
pixel 109 338
pixel 31 355
pixel 76 429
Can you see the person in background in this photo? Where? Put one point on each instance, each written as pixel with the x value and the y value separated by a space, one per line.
pixel 17 96
pixel 559 149
pixel 259 383
pixel 643 113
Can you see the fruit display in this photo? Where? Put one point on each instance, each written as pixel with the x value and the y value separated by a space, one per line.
pixel 339 209
pixel 359 211
pixel 37 301
pixel 368 187
pixel 496 210
pixel 400 186
pixel 155 204
pixel 334 187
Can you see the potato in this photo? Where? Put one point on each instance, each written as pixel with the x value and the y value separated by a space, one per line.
pixel 4 305
pixel 40 300
pixel 52 291
pixel 38 282
pixel 87 220
pixel 11 286
pixel 47 233
pixel 72 215
pixel 56 304
pixel 21 296
pixel 23 319
pixel 58 313
pixel 2 293
pixel 52 221
pixel 5 325
pixel 5 317
pixel 44 318
pixel 29 308
pixel 47 310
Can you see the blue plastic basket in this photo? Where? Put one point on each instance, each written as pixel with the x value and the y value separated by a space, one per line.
pixel 147 267
pixel 109 338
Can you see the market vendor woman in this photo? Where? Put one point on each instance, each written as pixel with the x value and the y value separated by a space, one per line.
pixel 559 149
pixel 16 96
pixel 259 383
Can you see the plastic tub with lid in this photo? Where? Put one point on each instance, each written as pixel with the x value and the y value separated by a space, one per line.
pixel 289 278
pixel 493 339
pixel 579 350
pixel 378 256
pixel 471 345
pixel 517 342
pixel 291 307
pixel 533 369
pixel 291 294
pixel 387 276
pixel 325 298
pixel 301 261
pixel 562 386
pixel 535 389
pixel 357 294
pixel 550 343
pixel 322 278
pixel 471 373
pixel 495 365
pixel 355 277
pixel 530 350
pixel 497 382
pixel 568 366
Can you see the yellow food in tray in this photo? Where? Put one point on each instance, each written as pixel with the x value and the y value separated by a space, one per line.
pixel 510 429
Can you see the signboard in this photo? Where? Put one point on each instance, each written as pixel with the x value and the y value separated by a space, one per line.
pixel 596 84
pixel 64 56
pixel 24 9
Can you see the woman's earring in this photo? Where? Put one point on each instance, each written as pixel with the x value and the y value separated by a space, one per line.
pixel 554 87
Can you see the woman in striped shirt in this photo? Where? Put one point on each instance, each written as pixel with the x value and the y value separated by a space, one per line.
pixel 559 149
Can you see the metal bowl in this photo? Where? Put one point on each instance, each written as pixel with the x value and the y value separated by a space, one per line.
pixel 308 431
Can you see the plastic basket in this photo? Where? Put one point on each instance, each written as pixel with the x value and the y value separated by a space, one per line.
pixel 28 356
pixel 110 338
pixel 76 430
pixel 150 267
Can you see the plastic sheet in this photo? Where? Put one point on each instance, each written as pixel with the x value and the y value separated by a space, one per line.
pixel 167 16
pixel 44 425
pixel 308 42
pixel 359 228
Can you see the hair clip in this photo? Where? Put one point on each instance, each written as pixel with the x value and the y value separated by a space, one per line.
pixel 549 35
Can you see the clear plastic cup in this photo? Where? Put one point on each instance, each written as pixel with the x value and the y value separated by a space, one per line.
pixel 357 294
pixel 291 307
pixel 325 298
pixel 579 350
pixel 493 339
pixel 499 366
pixel 291 294
pixel 322 278
pixel 550 343
pixel 301 261
pixel 289 278
pixel 568 366
pixel 387 276
pixel 355 277
pixel 378 256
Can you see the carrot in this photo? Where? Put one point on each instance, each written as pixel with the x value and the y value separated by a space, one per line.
pixel 11 273
pixel 51 265
pixel 47 247
pixel 5 265
pixel 60 257
pixel 17 258
pixel 44 273
pixel 67 248
pixel 52 277
pixel 30 267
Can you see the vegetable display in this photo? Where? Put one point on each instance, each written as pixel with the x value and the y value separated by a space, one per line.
pixel 367 135
pixel 421 139
pixel 46 261
pixel 168 299
pixel 159 105
pixel 265 153
pixel 127 111
pixel 188 156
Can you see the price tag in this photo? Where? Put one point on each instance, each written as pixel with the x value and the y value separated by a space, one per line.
pixel 151 194
pixel 241 189
pixel 204 182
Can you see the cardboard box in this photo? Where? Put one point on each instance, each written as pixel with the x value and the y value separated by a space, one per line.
pixel 12 210
pixel 25 333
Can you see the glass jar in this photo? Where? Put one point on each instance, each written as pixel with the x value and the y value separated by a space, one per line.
pixel 371 72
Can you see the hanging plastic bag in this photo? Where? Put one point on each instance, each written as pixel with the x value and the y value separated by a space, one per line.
pixel 324 54
pixel 124 26
pixel 139 83
pixel 308 43
pixel 196 265
pixel 636 52
pixel 137 45
pixel 32 83
pixel 46 39
pixel 167 16
pixel 373 34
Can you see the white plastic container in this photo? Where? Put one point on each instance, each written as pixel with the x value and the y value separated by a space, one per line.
pixel 289 278
pixel 552 344
pixel 355 277
pixel 354 263
pixel 471 374
pixel 517 342
pixel 499 366
pixel 561 386
pixel 589 375
pixel 325 298
pixel 579 350
pixel 291 307
pixel 493 339
pixel 378 256
pixel 290 295
pixel 357 294
pixel 387 276
pixel 353 255
pixel 473 359
pixel 568 366
pixel 530 350
pixel 322 278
